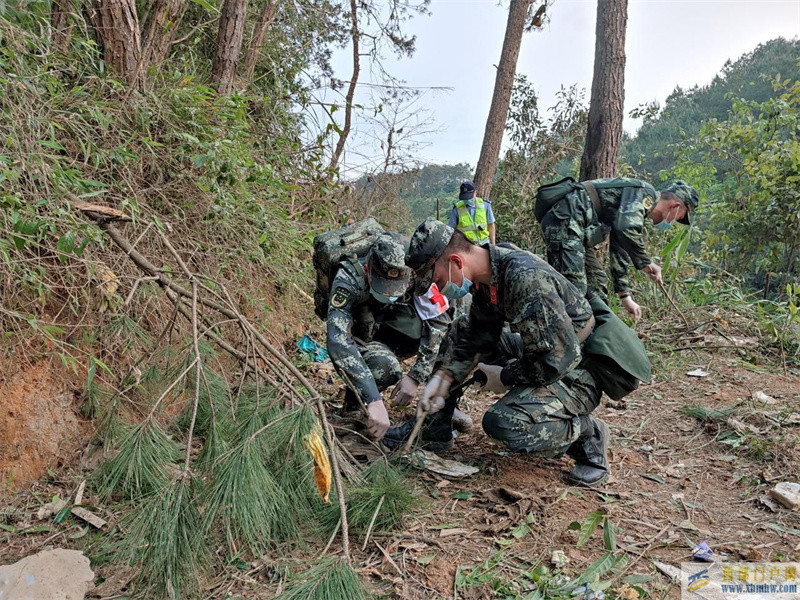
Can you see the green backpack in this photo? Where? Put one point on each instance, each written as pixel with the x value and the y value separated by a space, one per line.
pixel 351 242
pixel 548 195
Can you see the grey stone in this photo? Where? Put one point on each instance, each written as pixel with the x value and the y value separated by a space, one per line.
pixel 48 575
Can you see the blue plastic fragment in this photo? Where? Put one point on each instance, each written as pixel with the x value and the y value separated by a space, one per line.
pixel 702 552
pixel 315 351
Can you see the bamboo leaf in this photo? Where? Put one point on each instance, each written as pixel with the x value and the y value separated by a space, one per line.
pixel 588 526
pixel 609 537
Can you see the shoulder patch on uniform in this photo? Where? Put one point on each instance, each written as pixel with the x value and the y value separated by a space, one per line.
pixel 647 202
pixel 341 296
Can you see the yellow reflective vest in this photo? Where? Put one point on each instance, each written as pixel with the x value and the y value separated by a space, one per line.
pixel 476 230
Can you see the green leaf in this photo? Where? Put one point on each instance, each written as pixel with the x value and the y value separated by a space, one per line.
pixel 53 145
pixel 424 560
pixel 207 5
pixel 462 495
pixel 521 530
pixel 589 525
pixel 62 515
pixel 609 537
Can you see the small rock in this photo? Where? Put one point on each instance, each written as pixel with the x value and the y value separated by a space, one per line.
pixel 760 396
pixel 787 493
pixel 48 575
pixel 698 373
pixel 559 559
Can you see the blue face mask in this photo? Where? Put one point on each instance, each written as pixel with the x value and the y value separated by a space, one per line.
pixel 666 223
pixel 451 291
pixel 383 298
pixel 470 202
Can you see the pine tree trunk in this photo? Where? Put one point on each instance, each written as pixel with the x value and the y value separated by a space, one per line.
pixel 504 83
pixel 117 26
pixel 160 29
pixel 265 19
pixel 229 44
pixel 62 23
pixel 604 134
pixel 351 90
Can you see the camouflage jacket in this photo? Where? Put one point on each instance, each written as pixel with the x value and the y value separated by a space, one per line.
pixel 624 206
pixel 538 303
pixel 354 317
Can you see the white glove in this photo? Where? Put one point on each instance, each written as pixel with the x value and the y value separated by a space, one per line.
pixel 377 419
pixel 493 381
pixel 404 392
pixel 633 309
pixel 654 272
pixel 432 399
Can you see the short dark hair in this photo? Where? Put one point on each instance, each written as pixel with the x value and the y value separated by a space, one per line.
pixel 459 243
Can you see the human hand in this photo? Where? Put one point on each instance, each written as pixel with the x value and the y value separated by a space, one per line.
pixel 633 309
pixel 432 398
pixel 404 392
pixel 654 272
pixel 493 381
pixel 377 419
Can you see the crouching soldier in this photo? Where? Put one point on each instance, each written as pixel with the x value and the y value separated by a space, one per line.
pixel 564 352
pixel 374 322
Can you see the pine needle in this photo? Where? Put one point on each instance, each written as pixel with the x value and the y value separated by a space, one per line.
pixel 214 398
pixel 704 413
pixel 165 540
pixel 140 466
pixel 251 506
pixel 385 487
pixel 329 579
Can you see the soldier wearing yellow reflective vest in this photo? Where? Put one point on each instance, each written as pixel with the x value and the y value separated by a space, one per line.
pixel 473 216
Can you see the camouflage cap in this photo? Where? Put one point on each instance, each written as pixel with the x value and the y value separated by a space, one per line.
pixel 388 274
pixel 427 244
pixel 686 194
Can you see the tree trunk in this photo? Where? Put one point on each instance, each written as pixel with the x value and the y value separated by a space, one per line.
pixel 351 90
pixel 604 133
pixel 117 26
pixel 504 83
pixel 265 19
pixel 160 29
pixel 229 44
pixel 62 22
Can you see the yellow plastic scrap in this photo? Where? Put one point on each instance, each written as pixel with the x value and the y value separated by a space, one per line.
pixel 322 466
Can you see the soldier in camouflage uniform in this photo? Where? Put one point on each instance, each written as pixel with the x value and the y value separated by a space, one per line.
pixel 549 387
pixel 613 208
pixel 374 322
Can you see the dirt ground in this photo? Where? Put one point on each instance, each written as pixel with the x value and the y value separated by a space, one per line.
pixel 39 422
pixel 675 482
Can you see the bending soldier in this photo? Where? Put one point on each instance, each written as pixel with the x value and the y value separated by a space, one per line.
pixel 575 217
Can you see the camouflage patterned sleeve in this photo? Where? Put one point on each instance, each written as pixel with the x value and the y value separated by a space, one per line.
pixel 629 225
pixel 480 335
pixel 433 332
pixel 619 264
pixel 341 346
pixel 551 348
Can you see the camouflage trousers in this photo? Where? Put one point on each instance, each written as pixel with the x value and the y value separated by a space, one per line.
pixel 543 421
pixel 571 231
pixel 384 367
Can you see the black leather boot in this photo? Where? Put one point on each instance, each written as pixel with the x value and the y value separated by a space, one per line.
pixel 436 433
pixel 590 452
